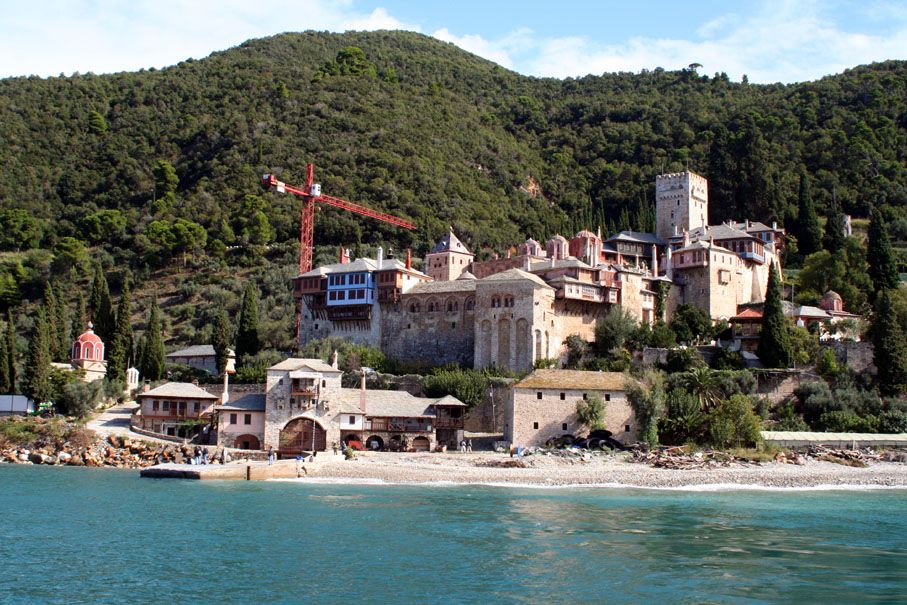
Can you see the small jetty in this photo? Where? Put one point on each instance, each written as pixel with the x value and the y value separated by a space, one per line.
pixel 241 470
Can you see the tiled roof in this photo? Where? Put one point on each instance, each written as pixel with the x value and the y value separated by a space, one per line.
pixel 184 390
pixel 397 404
pixel 295 363
pixel 356 266
pixel 639 237
pixel 251 402
pixel 564 263
pixel 574 379
pixel 467 275
pixel 748 313
pixel 516 275
pixel 194 351
pixel 442 287
pixel 701 245
pixel 450 242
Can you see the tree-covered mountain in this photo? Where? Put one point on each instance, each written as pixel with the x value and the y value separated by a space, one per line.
pixel 161 168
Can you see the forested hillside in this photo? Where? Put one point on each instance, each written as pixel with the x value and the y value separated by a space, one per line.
pixel 159 170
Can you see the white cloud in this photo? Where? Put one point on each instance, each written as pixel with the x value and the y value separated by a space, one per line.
pixel 103 36
pixel 493 51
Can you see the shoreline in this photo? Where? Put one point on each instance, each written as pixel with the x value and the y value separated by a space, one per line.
pixel 597 471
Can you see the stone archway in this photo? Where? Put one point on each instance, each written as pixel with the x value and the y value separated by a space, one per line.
pixel 299 435
pixel 374 443
pixel 421 444
pixel 247 442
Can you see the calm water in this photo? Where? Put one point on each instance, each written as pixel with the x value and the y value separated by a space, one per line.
pixel 86 535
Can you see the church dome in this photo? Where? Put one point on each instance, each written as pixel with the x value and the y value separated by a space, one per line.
pixel 832 295
pixel 88 346
pixel 585 233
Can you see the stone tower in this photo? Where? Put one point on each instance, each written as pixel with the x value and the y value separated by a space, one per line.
pixel 448 259
pixel 681 203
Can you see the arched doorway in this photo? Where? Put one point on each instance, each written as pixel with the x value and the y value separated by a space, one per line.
pixel 247 442
pixel 374 443
pixel 300 435
pixel 421 444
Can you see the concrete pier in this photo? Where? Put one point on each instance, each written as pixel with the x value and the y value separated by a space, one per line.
pixel 236 471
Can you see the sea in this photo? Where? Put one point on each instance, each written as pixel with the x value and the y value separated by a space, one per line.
pixel 79 535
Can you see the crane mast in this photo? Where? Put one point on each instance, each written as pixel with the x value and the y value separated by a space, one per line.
pixel 310 194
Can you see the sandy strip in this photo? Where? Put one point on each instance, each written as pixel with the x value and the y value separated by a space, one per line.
pixel 599 470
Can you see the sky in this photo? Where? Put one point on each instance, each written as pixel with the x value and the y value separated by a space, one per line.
pixel 767 40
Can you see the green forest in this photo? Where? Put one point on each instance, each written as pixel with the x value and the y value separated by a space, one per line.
pixel 154 175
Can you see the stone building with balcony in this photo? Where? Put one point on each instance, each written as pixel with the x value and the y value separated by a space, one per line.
pixel 306 409
pixel 175 409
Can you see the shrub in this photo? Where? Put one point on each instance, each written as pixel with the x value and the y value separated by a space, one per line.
pixel 683 360
pixel 591 412
pixel 725 359
pixel 734 423
pixel 80 398
pixel 647 400
pixel 846 421
pixel 893 421
pixel 468 386
pixel 683 421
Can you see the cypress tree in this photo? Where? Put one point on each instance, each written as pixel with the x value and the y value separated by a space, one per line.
pixel 882 267
pixel 834 228
pixel 5 386
pixel 11 349
pixel 152 351
pixel 57 333
pixel 36 381
pixel 247 335
pixel 221 339
pixel 809 231
pixel 889 347
pixel 774 344
pixel 101 308
pixel 79 320
pixel 119 353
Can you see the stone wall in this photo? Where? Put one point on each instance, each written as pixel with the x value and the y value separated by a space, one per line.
pixel 779 385
pixel 436 337
pixel 857 355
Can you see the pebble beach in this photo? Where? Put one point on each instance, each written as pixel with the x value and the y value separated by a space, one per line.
pixel 541 470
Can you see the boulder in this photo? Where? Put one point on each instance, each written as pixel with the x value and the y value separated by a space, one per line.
pixel 114 440
pixel 37 458
pixel 23 457
pixel 77 460
pixel 64 457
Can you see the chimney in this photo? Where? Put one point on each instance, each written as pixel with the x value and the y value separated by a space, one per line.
pixel 409 258
pixel 344 256
pixel 362 393
pixel 654 260
pixel 775 225
pixel 146 387
pixel 686 238
pixel 526 264
pixel 669 270
pixel 334 361
pixel 225 396
pixel 380 257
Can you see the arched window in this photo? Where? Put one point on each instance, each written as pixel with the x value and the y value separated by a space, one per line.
pixel 414 307
pixel 495 302
pixel 88 351
pixel 470 304
pixel 452 306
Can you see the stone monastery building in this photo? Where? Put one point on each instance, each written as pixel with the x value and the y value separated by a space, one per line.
pixel 510 312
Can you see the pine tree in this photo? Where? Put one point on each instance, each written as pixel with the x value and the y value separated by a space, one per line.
pixel 151 364
pixel 5 386
pixel 36 381
pixel 809 231
pixel 882 267
pixel 119 353
pixel 889 347
pixel 101 308
pixel 11 349
pixel 247 335
pixel 774 344
pixel 221 338
pixel 834 228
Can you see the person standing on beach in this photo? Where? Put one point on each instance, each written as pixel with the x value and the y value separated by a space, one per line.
pixel 271 455
pixel 469 445
pixel 205 456
pixel 197 456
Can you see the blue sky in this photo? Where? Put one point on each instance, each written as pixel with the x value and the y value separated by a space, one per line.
pixel 768 40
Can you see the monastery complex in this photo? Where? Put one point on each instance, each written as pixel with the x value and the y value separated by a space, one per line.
pixel 510 312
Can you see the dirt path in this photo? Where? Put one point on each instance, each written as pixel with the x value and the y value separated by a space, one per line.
pixel 115 421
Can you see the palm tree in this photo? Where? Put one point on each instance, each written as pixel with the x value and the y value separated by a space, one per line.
pixel 704 385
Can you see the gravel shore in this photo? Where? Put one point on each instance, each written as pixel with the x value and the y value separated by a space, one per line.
pixel 597 470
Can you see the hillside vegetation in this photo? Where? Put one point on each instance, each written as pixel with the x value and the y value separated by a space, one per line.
pixel 156 172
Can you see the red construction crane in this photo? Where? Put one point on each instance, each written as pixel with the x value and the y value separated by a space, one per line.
pixel 311 194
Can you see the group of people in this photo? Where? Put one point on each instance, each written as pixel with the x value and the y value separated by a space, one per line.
pixel 200 456
pixel 466 445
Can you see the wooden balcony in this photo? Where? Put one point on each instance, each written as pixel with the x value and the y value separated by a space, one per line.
pixel 448 423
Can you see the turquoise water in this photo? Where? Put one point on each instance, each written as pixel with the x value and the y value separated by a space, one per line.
pixel 71 535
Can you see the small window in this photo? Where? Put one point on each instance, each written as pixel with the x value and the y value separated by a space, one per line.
pixel 232 418
pixel 538 395
pixel 248 419
pixel 627 427
pixel 453 325
pixel 323 383
pixel 585 396
pixel 563 396
pixel 165 405
pixel 535 425
pixel 154 406
pixel 564 426
pixel 607 396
